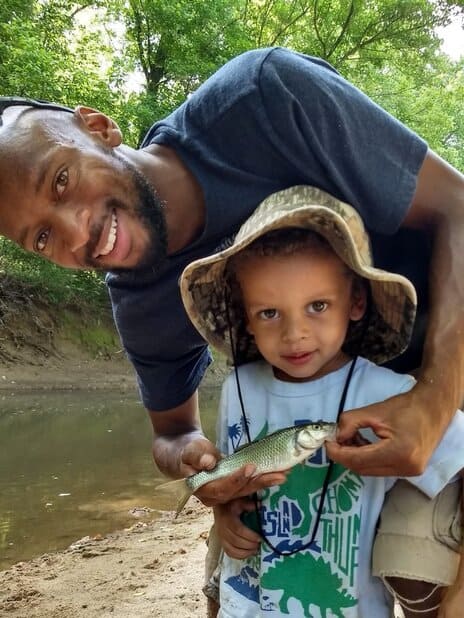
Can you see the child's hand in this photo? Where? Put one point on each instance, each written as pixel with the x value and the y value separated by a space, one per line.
pixel 237 540
pixel 241 483
pixel 201 454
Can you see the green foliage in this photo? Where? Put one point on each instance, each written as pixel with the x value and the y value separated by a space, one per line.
pixel 84 51
pixel 430 104
pixel 57 284
pixel 90 334
pixel 347 33
pixel 388 48
pixel 45 53
pixel 175 45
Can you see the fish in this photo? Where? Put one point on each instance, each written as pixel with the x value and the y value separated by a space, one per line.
pixel 276 452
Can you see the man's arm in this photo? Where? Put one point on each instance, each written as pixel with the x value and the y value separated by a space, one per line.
pixel 439 204
pixel 180 449
pixel 410 425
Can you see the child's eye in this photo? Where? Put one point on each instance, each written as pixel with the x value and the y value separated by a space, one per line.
pixel 318 306
pixel 268 314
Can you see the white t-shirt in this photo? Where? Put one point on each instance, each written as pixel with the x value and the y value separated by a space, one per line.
pixel 332 578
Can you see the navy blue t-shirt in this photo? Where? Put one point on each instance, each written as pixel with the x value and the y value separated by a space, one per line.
pixel 267 120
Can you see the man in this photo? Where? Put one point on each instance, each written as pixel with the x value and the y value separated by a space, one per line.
pixel 269 119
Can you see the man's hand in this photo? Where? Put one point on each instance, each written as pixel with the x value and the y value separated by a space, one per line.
pixel 201 454
pixel 237 540
pixel 180 449
pixel 409 431
pixel 198 454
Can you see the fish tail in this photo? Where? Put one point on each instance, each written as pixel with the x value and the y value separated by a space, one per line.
pixel 178 490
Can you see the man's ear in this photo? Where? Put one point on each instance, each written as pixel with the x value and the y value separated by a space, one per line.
pixel 99 125
pixel 358 299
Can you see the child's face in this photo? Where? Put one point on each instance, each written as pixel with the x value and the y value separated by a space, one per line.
pixel 298 309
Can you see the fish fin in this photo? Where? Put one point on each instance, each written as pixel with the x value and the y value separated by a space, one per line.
pixel 178 490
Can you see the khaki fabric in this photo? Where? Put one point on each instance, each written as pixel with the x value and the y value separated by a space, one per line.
pixel 419 538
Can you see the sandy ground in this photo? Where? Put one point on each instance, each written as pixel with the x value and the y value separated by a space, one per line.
pixel 153 568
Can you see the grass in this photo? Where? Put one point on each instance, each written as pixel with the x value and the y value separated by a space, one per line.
pixel 59 285
pixel 41 302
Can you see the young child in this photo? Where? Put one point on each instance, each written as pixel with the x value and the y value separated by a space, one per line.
pixel 303 315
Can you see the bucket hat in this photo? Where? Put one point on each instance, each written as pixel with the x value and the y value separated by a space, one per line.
pixel 382 334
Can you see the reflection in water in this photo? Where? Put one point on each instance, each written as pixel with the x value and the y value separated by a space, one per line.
pixel 75 464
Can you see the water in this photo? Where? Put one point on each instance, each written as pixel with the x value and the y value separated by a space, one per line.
pixel 74 464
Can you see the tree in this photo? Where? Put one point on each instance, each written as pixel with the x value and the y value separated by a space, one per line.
pixel 83 51
pixel 45 53
pixel 349 33
pixel 388 48
pixel 176 44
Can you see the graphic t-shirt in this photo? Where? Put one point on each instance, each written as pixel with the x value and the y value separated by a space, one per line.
pixel 267 120
pixel 331 577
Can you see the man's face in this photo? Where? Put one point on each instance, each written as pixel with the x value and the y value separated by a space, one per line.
pixel 76 201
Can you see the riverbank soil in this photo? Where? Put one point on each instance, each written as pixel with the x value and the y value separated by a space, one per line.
pixel 152 569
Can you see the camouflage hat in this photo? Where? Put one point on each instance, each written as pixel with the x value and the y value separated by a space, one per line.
pixel 388 323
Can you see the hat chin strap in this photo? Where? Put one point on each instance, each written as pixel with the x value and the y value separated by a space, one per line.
pixel 328 473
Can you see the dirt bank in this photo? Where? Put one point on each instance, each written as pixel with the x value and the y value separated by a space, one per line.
pixel 149 570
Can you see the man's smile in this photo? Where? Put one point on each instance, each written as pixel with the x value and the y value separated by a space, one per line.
pixel 108 237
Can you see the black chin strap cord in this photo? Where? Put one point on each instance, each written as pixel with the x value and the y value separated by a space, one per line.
pixel 326 483
pixel 325 486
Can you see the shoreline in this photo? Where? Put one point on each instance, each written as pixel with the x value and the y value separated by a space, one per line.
pixel 75 372
pixel 153 568
pixel 150 569
pixel 68 373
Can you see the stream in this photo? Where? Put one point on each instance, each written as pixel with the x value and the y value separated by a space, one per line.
pixel 74 464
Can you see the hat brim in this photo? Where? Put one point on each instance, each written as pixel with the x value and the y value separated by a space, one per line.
pixel 393 306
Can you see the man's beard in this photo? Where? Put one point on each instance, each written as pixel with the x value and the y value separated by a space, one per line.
pixel 148 208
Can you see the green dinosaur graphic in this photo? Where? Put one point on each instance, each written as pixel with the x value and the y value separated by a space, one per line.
pixel 348 491
pixel 310 581
pixel 303 481
pixel 309 478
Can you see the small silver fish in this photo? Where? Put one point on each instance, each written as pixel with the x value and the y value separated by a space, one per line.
pixel 276 452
